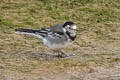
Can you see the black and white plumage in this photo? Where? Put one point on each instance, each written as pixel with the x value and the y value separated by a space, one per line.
pixel 55 37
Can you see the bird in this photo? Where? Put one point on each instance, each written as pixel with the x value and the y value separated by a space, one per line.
pixel 55 37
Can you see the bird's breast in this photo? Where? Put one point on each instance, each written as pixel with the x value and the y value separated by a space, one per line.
pixel 54 45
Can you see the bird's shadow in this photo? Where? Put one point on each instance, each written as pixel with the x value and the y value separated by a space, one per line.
pixel 47 56
pixel 44 56
pixel 38 55
pixel 41 56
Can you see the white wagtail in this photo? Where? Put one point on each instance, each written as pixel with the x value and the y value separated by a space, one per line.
pixel 55 37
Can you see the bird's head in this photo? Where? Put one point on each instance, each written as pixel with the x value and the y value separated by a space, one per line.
pixel 70 28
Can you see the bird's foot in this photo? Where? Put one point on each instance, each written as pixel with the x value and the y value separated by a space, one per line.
pixel 61 55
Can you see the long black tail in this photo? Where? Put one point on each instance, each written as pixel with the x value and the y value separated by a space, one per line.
pixel 26 30
pixel 36 33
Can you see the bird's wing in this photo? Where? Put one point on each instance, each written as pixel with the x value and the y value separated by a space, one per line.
pixel 53 31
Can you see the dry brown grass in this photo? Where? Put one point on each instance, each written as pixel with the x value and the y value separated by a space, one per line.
pixel 96 48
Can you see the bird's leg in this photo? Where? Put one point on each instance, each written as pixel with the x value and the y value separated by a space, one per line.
pixel 61 54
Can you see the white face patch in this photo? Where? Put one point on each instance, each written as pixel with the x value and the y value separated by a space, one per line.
pixel 74 27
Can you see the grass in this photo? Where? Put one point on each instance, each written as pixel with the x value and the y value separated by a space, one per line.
pixel 99 30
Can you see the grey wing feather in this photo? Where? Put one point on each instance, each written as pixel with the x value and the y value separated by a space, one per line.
pixel 57 28
pixel 51 30
pixel 56 34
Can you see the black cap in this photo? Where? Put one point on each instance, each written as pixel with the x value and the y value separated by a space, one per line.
pixel 68 23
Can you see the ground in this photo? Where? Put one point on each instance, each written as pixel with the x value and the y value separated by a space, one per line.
pixel 95 55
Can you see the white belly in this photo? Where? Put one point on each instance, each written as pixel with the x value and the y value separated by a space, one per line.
pixel 55 45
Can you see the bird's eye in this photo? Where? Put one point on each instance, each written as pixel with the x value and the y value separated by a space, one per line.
pixel 71 28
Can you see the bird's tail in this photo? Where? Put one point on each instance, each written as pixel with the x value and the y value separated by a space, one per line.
pixel 36 33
